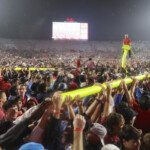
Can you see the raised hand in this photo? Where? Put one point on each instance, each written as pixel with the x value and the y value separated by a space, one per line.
pixel 120 89
pixel 134 79
pixel 57 100
pixel 109 87
pixel 68 100
pixel 124 85
pixel 78 100
pixel 102 92
pixel 79 122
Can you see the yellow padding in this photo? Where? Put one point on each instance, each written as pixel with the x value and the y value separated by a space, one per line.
pixel 126 48
pixel 33 69
pixel 96 89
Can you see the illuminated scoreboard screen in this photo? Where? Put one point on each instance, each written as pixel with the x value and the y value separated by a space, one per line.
pixel 69 31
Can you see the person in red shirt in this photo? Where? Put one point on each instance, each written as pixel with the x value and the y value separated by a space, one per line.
pixel 142 120
pixel 127 41
pixel 79 62
pixel 4 84
pixel 72 84
pixel 114 123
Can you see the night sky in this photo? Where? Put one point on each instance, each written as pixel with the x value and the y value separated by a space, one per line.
pixel 108 19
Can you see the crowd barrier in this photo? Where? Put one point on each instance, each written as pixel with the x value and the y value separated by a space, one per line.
pixel 96 89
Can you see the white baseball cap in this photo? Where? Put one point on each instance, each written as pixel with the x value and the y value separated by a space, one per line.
pixel 99 130
pixel 110 147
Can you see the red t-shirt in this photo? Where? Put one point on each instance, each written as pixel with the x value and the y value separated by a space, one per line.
pixel 24 102
pixel 109 139
pixel 78 62
pixel 4 86
pixel 73 85
pixel 2 114
pixel 76 73
pixel 148 86
pixel 54 78
pixel 142 120
pixel 127 41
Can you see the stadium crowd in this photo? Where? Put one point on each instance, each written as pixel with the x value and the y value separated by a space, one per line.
pixel 34 116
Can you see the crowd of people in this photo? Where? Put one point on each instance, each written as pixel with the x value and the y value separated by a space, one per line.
pixel 34 115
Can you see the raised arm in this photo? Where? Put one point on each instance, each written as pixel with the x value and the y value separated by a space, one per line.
pixel 128 95
pixel 79 102
pixel 69 103
pixel 79 124
pixel 91 108
pixel 57 101
pixel 107 105
pixel 133 86
pixel 147 81
pixel 100 97
pixel 29 74
pixel 0 72
pixel 120 92
pixel 38 132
